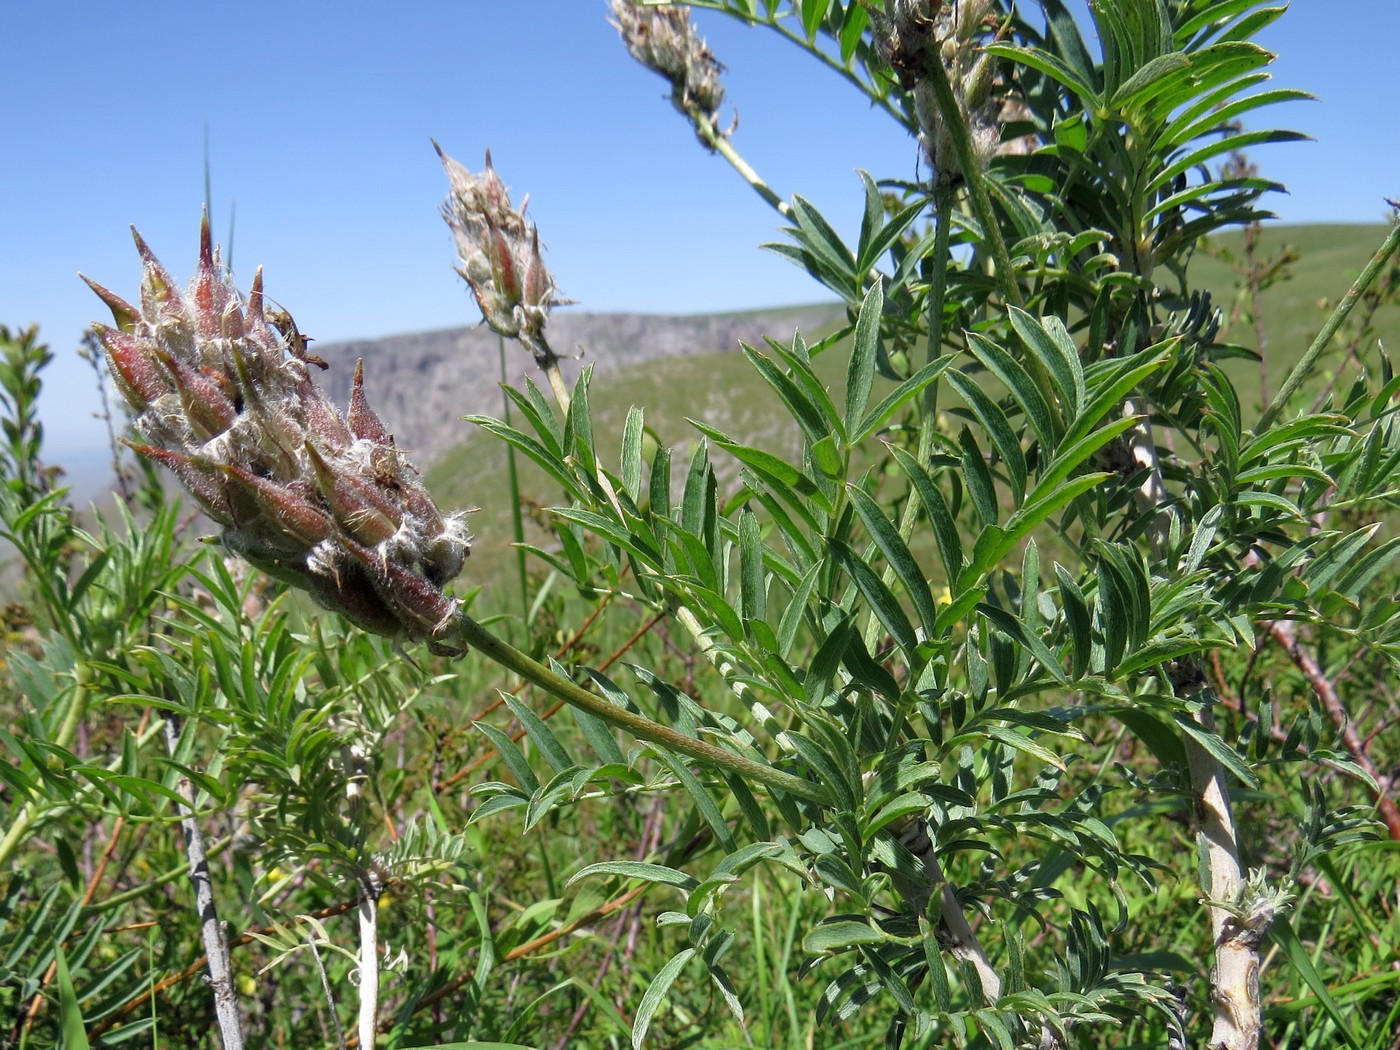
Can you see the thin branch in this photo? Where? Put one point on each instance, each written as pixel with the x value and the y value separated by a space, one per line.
pixel 880 101
pixel 326 989
pixel 1287 635
pixel 719 142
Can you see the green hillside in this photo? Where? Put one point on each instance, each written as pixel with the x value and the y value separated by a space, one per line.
pixel 721 389
pixel 1295 307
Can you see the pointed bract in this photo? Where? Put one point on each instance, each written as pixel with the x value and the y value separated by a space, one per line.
pixel 363 421
pixel 123 313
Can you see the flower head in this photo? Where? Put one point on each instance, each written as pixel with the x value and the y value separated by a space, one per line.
pixel 663 39
pixel 915 33
pixel 499 254
pixel 325 502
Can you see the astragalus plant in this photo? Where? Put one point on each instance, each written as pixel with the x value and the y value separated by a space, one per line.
pixel 956 695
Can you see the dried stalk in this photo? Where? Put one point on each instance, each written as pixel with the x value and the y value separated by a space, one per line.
pixel 211 929
pixel 368 912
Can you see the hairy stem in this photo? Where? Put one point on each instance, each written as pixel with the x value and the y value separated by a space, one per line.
pixel 1234 982
pixel 719 143
pixel 548 362
pixel 517 522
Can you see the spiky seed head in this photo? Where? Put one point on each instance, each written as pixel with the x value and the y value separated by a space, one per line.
pixel 662 38
pixel 322 502
pixel 498 252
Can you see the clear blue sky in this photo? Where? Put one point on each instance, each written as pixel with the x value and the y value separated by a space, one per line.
pixel 319 117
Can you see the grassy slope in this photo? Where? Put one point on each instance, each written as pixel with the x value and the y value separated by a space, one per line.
pixel 1331 258
pixel 721 389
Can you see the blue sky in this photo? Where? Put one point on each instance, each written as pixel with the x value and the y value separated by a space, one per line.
pixel 319 117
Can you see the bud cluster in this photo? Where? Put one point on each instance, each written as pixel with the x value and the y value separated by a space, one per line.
pixel 662 39
pixel 916 33
pixel 499 252
pixel 322 501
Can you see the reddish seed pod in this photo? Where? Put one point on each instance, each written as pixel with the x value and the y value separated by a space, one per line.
pixel 123 313
pixel 199 478
pixel 210 413
pixel 138 376
pixel 301 520
pixel 358 505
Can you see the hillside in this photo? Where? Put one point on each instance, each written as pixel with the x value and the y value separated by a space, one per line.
pixel 1329 258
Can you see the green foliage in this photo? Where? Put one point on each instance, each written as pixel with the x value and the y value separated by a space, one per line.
pixel 1010 583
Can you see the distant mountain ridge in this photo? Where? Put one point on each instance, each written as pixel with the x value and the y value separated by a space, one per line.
pixel 421 384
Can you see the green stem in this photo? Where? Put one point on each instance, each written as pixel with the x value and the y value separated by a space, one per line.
pixel 67 733
pixel 719 142
pixel 1304 367
pixel 937 296
pixel 976 184
pixel 830 61
pixel 943 194
pixel 512 477
pixel 548 362
pixel 483 641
